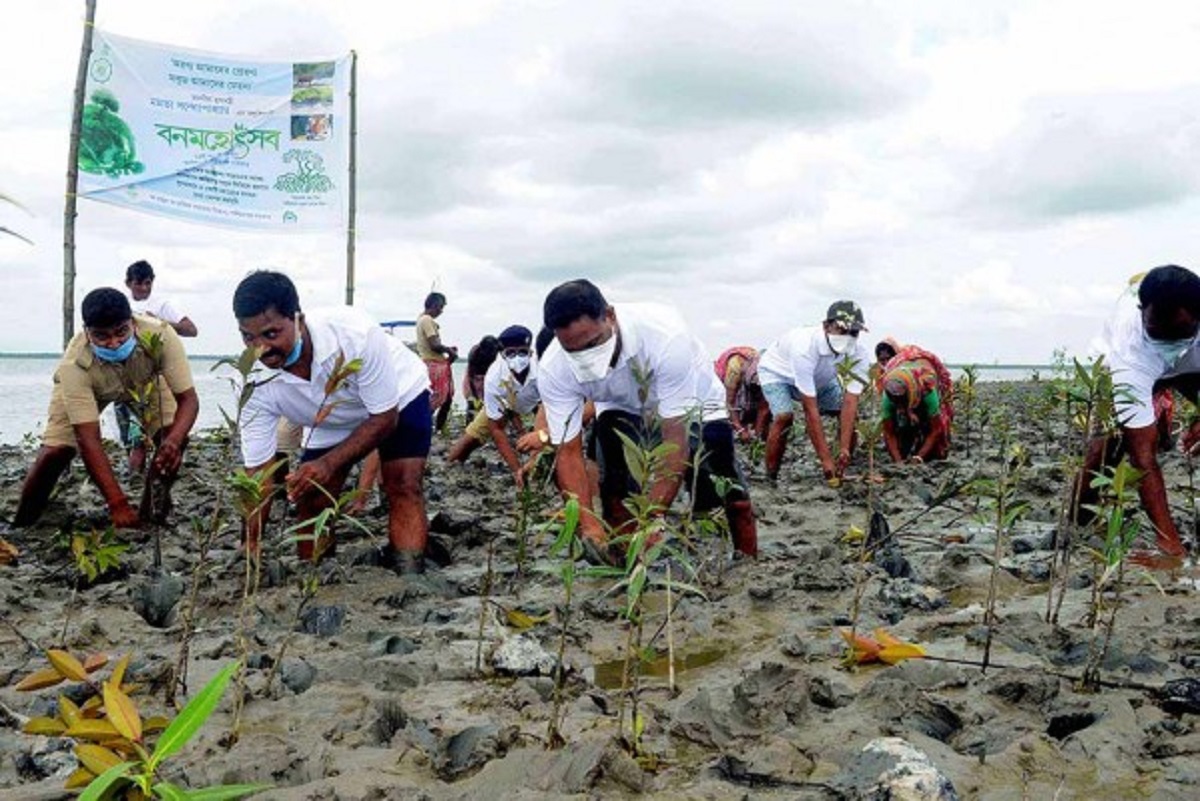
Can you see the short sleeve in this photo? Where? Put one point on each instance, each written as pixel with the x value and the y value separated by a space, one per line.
pixel 804 368
pixel 256 428
pixel 932 403
pixel 675 380
pixel 495 396
pixel 175 370
pixel 169 312
pixel 563 405
pixel 79 397
pixel 378 381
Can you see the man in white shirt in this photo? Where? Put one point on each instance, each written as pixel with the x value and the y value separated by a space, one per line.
pixel 1150 346
pixel 802 365
pixel 510 390
pixel 139 280
pixel 382 406
pixel 644 371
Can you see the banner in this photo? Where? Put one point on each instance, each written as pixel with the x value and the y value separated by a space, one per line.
pixel 216 139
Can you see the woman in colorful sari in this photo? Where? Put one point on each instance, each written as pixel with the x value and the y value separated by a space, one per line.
pixel 916 407
pixel 737 368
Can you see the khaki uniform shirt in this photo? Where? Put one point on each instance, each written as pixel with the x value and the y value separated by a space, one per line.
pixel 427 328
pixel 84 385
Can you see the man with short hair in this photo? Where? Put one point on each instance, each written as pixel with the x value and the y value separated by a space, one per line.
pixel 802 365
pixel 510 390
pixel 437 357
pixel 1150 345
pixel 116 356
pixel 645 372
pixel 382 406
pixel 139 280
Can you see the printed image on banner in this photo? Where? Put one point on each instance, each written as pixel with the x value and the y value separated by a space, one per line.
pixel 215 139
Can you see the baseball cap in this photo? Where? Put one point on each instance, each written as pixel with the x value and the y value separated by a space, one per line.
pixel 516 336
pixel 847 313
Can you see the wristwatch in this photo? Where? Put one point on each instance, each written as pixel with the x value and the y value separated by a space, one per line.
pixel 543 436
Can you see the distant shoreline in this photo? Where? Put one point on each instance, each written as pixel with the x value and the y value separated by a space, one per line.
pixel 212 357
pixel 207 357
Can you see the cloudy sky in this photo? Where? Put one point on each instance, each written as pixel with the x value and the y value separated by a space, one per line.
pixel 982 177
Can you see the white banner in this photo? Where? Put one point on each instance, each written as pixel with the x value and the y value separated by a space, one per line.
pixel 216 139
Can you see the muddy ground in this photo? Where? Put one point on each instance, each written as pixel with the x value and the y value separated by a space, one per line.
pixel 378 695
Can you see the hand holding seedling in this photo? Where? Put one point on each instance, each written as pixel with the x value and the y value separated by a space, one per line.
pixel 533 441
pixel 169 458
pixel 307 478
pixel 124 515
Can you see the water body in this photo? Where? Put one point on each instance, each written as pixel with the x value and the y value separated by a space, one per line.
pixel 25 382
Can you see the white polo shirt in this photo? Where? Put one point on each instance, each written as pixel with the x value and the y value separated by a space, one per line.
pixel 390 377
pixel 655 343
pixel 1134 363
pixel 802 357
pixel 162 308
pixel 502 392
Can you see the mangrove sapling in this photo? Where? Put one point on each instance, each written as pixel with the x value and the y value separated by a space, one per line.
pixel 1117 514
pixel 94 554
pixel 869 431
pixel 255 501
pixel 1189 415
pixel 999 495
pixel 243 384
pixel 113 742
pixel 1091 406
pixel 566 542
pixel 965 393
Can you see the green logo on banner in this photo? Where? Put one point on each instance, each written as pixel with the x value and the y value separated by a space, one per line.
pixel 309 175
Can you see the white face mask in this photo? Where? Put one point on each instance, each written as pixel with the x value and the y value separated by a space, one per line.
pixel 595 363
pixel 1169 350
pixel 518 363
pixel 840 343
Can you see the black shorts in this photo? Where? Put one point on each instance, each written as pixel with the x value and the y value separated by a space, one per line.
pixel 410 440
pixel 718 459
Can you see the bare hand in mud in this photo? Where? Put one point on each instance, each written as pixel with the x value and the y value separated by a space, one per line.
pixel 913 460
pixel 843 461
pixel 124 516
pixel 306 478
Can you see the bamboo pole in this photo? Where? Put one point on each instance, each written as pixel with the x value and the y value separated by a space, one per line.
pixel 68 300
pixel 350 232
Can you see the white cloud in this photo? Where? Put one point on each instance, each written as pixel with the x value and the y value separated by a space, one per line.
pixel 963 169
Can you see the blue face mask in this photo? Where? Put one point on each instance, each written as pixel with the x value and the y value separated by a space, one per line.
pixel 117 354
pixel 294 356
pixel 1169 350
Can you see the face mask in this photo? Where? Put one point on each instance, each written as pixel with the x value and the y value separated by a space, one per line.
pixel 294 356
pixel 593 364
pixel 1169 350
pixel 840 343
pixel 117 354
pixel 518 363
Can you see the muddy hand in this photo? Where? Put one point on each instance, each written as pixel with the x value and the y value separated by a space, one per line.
pixel 306 478
pixel 124 516
pixel 168 458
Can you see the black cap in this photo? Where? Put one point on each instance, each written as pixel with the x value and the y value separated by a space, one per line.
pixel 846 313
pixel 516 336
